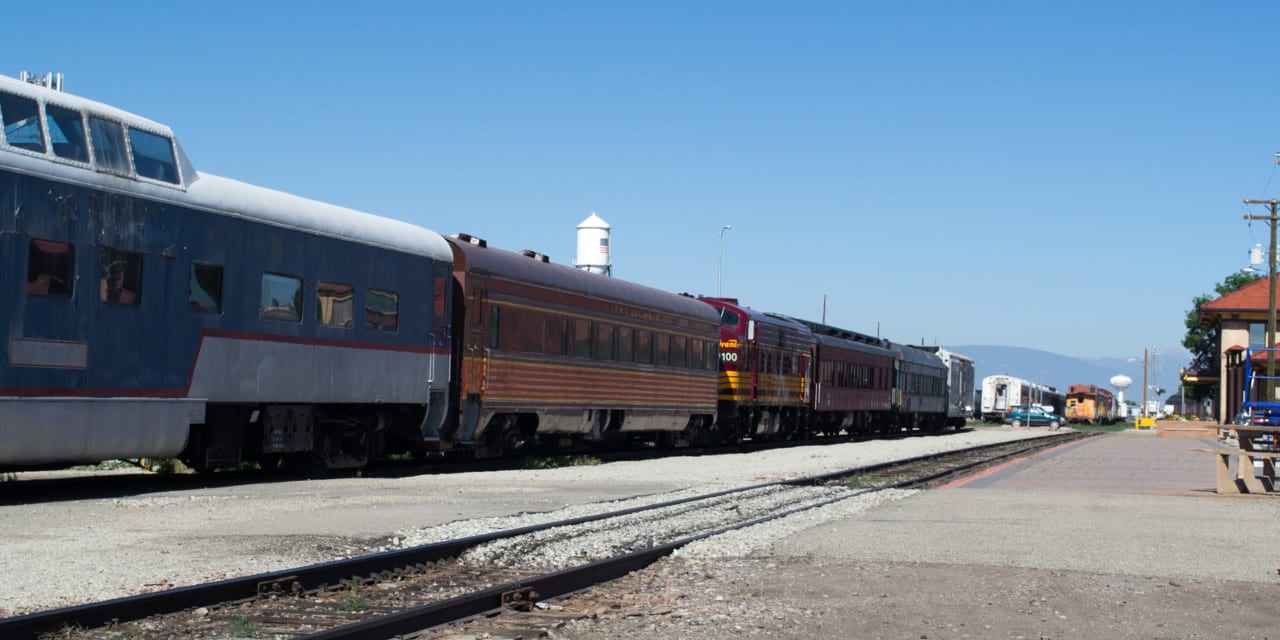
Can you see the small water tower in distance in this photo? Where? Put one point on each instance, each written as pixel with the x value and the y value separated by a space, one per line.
pixel 593 246
pixel 1121 382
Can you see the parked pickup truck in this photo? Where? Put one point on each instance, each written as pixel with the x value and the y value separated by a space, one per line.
pixel 1032 416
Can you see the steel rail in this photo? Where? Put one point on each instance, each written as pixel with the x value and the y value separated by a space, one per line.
pixel 314 577
pixel 566 581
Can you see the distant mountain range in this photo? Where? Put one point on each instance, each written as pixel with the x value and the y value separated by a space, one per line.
pixel 1062 371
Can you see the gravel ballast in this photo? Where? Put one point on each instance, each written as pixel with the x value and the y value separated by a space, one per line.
pixel 68 552
pixel 949 563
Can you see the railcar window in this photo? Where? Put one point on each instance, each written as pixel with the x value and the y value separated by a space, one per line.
pixel 582 338
pixel 626 344
pixel 50 268
pixel 382 310
pixel 679 351
pixel 604 341
pixel 662 350
pixel 696 354
pixel 205 291
pixel 557 338
pixel 121 277
pixel 729 318
pixel 108 145
pixel 66 133
pixel 153 156
pixel 281 298
pixel 21 122
pixel 644 347
pixel 335 304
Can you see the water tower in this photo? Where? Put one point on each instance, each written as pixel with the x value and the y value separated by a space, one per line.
pixel 1121 382
pixel 593 246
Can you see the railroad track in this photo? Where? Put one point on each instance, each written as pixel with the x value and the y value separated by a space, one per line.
pixel 411 590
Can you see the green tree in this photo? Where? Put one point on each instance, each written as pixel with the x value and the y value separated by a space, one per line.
pixel 1201 340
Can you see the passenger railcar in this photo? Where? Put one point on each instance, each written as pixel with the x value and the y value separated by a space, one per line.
pixel 550 352
pixel 765 368
pixel 960 385
pixel 852 385
pixel 920 389
pixel 150 310
pixel 1003 392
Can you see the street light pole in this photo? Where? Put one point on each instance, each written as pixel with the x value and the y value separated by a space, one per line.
pixel 1271 296
pixel 720 260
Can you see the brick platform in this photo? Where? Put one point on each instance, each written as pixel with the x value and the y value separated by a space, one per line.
pixel 1186 429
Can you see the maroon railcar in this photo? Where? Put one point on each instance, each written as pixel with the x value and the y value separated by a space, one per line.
pixel 549 352
pixel 853 386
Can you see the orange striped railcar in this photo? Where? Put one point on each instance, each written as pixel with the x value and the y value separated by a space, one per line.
pixel 766 366
pixel 545 351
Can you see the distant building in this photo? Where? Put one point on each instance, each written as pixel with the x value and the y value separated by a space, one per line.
pixel 1241 320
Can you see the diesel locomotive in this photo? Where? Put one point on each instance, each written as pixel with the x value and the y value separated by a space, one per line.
pixel 150 310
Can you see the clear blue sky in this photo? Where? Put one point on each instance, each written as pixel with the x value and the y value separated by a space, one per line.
pixel 1060 176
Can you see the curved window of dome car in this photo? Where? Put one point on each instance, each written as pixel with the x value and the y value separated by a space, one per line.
pixel 153 156
pixel 50 268
pixel 121 276
pixel 281 298
pixel 66 133
pixel 108 146
pixel 21 122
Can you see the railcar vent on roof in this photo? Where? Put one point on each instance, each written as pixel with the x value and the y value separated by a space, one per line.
pixel 468 238
pixel 529 253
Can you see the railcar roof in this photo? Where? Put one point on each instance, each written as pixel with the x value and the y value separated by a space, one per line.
pixel 521 268
pixel 851 345
pixel 213 193
pixel 912 354
pixel 759 317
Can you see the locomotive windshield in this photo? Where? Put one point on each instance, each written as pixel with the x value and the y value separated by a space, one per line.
pixel 729 318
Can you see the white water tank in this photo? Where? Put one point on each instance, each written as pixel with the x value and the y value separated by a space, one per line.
pixel 593 246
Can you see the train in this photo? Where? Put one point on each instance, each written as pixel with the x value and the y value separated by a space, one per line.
pixel 1002 392
pixel 154 311
pixel 1090 404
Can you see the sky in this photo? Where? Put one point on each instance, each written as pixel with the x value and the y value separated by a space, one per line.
pixel 1064 176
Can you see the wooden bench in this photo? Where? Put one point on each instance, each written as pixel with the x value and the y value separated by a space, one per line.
pixel 1245 480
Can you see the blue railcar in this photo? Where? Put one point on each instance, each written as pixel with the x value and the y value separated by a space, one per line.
pixel 920 388
pixel 150 310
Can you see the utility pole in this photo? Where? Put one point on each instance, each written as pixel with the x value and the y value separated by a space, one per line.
pixel 1271 295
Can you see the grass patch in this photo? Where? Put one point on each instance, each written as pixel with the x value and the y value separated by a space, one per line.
pixel 242 628
pixel 353 599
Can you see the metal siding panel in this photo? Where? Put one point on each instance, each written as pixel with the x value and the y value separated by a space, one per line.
pixel 39 431
pixel 262 370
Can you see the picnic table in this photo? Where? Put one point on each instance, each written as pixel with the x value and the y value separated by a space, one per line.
pixel 1248 450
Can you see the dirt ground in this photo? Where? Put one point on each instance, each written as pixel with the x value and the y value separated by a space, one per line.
pixel 798 599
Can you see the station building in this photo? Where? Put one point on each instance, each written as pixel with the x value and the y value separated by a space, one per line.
pixel 1240 318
